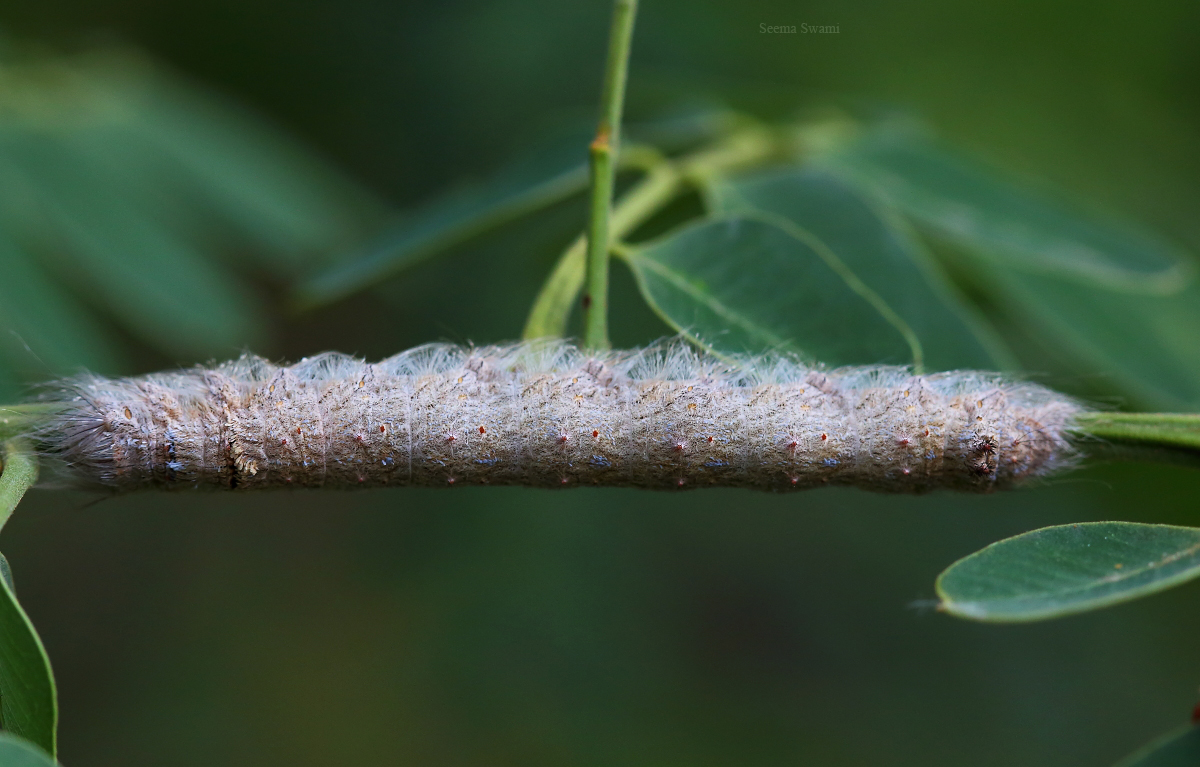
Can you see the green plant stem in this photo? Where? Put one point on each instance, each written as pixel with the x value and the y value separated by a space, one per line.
pixel 548 317
pixel 1177 431
pixel 20 473
pixel 603 149
pixel 663 182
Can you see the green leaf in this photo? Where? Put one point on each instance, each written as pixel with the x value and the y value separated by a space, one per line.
pixel 1100 301
pixel 877 245
pixel 1069 569
pixel 129 184
pixel 61 334
pixel 994 215
pixel 28 699
pixel 1180 748
pixel 161 288
pixel 744 284
pixel 19 474
pixel 280 196
pixel 1144 345
pixel 555 172
pixel 18 752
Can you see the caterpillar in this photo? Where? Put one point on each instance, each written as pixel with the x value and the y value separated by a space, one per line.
pixel 547 414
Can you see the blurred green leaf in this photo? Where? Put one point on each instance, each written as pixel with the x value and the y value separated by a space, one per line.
pixel 18 752
pixel 28 699
pixel 994 215
pixel 60 333
pixel 877 246
pixel 743 284
pixel 221 158
pixel 156 202
pixel 554 172
pixel 161 288
pixel 10 387
pixel 1068 569
pixel 1142 345
pixel 684 125
pixel 1176 749
pixel 1106 304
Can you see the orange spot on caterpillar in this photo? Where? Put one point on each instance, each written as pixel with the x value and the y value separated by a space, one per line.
pixel 679 446
pixel 562 438
pixel 927 432
pixel 361 479
pixel 795 481
pixel 482 430
pixel 449 437
pixel 449 480
pixel 271 388
pixel 679 482
pixel 358 438
pixel 906 471
pixel 563 481
pixel 595 434
pixel 283 441
pixel 710 439
pixel 382 429
pixel 793 445
pixel 297 429
pixel 128 413
pixel 824 436
pixel 902 441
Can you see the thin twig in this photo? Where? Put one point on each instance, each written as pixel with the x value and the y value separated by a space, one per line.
pixel 603 149
pixel 665 180
pixel 1175 431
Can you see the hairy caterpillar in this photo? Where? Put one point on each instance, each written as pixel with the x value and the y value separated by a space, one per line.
pixel 549 415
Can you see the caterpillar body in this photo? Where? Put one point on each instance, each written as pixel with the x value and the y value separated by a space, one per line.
pixel 550 415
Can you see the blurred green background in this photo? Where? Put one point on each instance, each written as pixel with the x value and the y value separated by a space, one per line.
pixel 610 627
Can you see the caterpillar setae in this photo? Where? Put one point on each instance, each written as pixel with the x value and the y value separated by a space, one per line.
pixel 547 414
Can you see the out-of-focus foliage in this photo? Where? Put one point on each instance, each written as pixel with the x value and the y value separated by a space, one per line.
pixel 135 205
pixel 17 752
pixel 1177 749
pixel 599 627
pixel 1108 297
